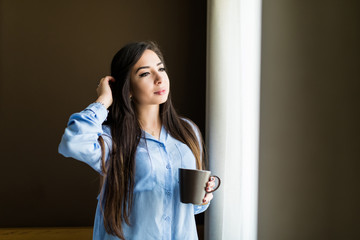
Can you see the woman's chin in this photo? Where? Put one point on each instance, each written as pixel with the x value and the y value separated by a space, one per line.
pixel 163 100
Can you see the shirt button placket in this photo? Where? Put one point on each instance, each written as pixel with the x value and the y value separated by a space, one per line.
pixel 168 193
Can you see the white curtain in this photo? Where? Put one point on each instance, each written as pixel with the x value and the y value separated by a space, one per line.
pixel 232 116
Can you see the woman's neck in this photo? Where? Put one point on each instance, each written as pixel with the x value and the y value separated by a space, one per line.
pixel 149 119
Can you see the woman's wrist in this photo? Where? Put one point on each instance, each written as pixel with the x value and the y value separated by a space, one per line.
pixel 100 103
pixel 103 102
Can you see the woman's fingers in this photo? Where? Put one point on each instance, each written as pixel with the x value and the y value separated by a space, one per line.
pixel 210 184
pixel 209 187
pixel 105 80
pixel 109 79
pixel 104 91
pixel 208 197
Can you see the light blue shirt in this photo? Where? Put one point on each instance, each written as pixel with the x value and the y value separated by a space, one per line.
pixel 157 212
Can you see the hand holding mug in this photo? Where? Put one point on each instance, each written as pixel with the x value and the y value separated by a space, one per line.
pixel 210 187
pixel 196 186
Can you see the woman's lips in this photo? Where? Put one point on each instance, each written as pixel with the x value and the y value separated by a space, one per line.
pixel 161 92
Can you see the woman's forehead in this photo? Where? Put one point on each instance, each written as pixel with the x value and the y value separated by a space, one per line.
pixel 148 58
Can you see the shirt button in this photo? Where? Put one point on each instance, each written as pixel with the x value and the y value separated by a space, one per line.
pixel 168 166
pixel 168 193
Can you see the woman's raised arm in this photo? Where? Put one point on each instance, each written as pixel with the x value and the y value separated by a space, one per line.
pixel 80 139
pixel 81 136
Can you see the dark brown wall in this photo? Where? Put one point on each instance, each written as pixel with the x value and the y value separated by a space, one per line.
pixel 52 55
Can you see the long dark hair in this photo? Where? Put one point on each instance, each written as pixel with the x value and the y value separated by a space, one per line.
pixel 119 172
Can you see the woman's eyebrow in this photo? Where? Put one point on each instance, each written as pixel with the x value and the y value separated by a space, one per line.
pixel 146 67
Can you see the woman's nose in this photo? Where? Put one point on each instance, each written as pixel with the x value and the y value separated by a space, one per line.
pixel 158 79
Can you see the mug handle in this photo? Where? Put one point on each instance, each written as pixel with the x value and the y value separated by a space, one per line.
pixel 219 182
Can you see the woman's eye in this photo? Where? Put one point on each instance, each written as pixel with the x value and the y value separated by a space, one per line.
pixel 162 69
pixel 144 74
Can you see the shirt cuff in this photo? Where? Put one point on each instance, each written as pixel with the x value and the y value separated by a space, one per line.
pixel 100 110
pixel 200 208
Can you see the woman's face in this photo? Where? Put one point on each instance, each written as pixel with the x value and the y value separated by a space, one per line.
pixel 149 81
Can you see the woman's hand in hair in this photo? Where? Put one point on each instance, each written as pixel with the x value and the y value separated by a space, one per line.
pixel 104 91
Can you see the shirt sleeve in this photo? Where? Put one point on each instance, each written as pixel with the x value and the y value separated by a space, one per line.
pixel 200 208
pixel 80 139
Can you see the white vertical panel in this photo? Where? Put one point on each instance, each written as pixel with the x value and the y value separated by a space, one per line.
pixel 233 76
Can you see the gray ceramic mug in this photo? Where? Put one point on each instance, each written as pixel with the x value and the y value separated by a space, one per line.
pixel 193 185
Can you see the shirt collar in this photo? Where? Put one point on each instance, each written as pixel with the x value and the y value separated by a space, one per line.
pixel 163 135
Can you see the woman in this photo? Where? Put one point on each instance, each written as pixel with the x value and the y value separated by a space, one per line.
pixel 138 145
